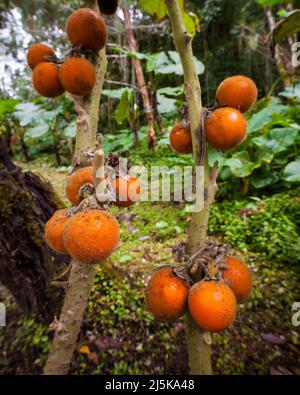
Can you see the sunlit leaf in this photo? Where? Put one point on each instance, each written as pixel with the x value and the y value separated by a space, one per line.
pixel 278 139
pixel 292 172
pixel 37 131
pixel 122 111
pixel 70 130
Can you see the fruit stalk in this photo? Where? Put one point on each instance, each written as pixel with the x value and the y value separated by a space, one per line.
pixel 81 278
pixel 198 342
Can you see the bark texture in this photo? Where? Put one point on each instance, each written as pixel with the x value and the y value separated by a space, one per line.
pixel 27 265
pixel 198 343
pixel 140 79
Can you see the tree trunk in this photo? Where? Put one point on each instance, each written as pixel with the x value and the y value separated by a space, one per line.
pixel 82 276
pixel 26 263
pixel 140 78
pixel 198 342
pixel 279 53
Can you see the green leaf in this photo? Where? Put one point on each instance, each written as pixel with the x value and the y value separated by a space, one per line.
pixel 277 139
pixel 171 64
pixel 26 113
pixel 131 54
pixel 125 258
pixel 292 171
pixel 240 165
pixel 70 130
pixel 165 105
pixel 263 177
pixel 8 106
pixel 171 91
pixel 291 92
pixel 116 93
pixel 263 117
pixel 287 27
pixel 122 111
pixel 216 156
pixel 161 224
pixel 158 8
pixel 37 131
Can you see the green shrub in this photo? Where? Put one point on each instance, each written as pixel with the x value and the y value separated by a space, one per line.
pixel 269 227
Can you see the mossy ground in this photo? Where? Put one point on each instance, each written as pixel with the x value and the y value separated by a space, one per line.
pixel 122 337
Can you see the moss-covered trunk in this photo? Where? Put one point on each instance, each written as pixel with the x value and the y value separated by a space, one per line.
pixel 27 265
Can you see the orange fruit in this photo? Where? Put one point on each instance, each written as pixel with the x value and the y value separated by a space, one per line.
pixel 87 28
pixel 181 139
pixel 212 305
pixel 36 54
pixel 91 236
pixel 166 294
pixel 46 81
pixel 238 91
pixel 77 76
pixel 238 277
pixel 54 230
pixel 76 180
pixel 225 128
pixel 127 191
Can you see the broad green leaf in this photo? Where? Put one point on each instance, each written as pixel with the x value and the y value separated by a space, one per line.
pixel 116 93
pixel 277 140
pixel 37 131
pixel 292 172
pixel 159 9
pixel 240 167
pixel 122 111
pixel 287 27
pixel 262 178
pixel 70 130
pixel 170 63
pixel 216 156
pixel 8 106
pixel 171 91
pixel 165 104
pixel 263 117
pixel 27 113
pixel 157 60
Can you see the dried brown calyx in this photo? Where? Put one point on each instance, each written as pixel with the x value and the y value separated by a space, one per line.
pixel 208 260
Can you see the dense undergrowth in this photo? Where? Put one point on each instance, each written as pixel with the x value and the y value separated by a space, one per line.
pixel 120 336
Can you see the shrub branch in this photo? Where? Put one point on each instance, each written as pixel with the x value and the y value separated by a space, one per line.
pixel 82 276
pixel 198 343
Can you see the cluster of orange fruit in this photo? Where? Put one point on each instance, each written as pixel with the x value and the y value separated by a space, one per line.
pixel 225 127
pixel 87 32
pixel 211 303
pixel 92 235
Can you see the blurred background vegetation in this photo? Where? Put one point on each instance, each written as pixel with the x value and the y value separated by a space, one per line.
pixel 258 205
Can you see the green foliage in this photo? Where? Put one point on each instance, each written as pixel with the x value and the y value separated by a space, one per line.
pixel 46 124
pixel 269 227
pixel 159 8
pixel 268 158
pixel 287 27
pixel 8 106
